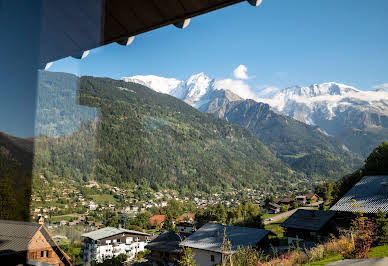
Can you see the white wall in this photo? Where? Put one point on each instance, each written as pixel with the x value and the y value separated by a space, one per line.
pixel 203 257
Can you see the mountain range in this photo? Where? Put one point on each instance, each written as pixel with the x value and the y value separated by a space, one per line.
pixel 356 119
pixel 124 132
pixel 149 139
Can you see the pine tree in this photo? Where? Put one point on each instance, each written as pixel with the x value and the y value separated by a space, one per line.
pixel 187 258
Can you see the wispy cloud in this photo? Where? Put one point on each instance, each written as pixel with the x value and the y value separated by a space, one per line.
pixel 268 91
pixel 381 86
pixel 241 72
pixel 238 87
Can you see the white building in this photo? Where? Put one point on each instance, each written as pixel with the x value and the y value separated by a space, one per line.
pixel 93 206
pixel 109 242
pixel 207 241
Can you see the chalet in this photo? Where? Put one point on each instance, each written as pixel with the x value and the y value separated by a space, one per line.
pixel 206 242
pixel 157 220
pixel 186 217
pixel 369 195
pixel 165 249
pixel 311 198
pixel 29 244
pixel 301 200
pixel 308 225
pixel 109 242
pixel 273 207
pixel 285 201
pixel 185 226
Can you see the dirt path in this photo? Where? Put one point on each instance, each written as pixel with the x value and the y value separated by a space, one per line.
pixel 289 213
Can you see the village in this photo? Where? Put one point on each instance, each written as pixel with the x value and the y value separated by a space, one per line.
pixel 98 222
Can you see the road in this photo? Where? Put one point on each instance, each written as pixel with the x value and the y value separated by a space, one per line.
pixel 289 213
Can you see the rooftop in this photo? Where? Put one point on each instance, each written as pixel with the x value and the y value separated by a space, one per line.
pixel 15 236
pixel 312 220
pixel 168 241
pixel 210 237
pixel 370 195
pixel 110 231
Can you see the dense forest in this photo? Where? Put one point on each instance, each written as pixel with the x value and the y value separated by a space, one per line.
pixel 303 147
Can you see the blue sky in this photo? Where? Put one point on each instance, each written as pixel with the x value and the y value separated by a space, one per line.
pixel 281 43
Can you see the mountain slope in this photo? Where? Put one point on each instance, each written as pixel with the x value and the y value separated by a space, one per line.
pixel 156 140
pixel 351 115
pixel 302 147
pixel 15 177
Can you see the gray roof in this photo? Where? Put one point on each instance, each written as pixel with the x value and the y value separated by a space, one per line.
pixel 311 220
pixel 370 193
pixel 168 241
pixel 210 237
pixel 111 231
pixel 15 236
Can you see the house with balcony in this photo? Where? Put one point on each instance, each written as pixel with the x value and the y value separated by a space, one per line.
pixel 109 242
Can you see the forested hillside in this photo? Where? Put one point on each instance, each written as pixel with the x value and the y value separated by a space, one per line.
pixel 301 146
pixel 151 139
pixel 15 177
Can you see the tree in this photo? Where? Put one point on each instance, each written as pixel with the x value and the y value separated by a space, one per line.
pixel 382 228
pixel 284 208
pixel 226 249
pixel 115 261
pixel 168 222
pixel 187 258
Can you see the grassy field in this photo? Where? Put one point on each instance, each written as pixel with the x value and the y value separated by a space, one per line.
pixel 62 217
pixel 266 216
pixel 335 257
pixel 380 251
pixel 102 198
pixel 276 228
pixel 376 252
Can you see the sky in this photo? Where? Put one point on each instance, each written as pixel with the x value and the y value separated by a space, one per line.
pixel 279 44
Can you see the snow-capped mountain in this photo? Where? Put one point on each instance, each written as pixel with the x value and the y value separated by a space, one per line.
pixel 194 91
pixel 159 84
pixel 358 118
pixel 327 104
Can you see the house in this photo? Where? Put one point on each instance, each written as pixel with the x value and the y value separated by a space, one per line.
pixel 206 242
pixel 308 225
pixel 157 220
pixel 165 248
pixel 273 207
pixel 62 222
pixel 311 198
pixel 185 226
pixel 29 244
pixel 369 195
pixel 285 201
pixel 93 206
pixel 301 200
pixel 186 217
pixel 109 242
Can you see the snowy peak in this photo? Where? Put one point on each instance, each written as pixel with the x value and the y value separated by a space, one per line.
pixel 193 89
pixel 159 84
pixel 324 89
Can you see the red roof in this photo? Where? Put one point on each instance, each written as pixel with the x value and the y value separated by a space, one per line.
pixel 157 219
